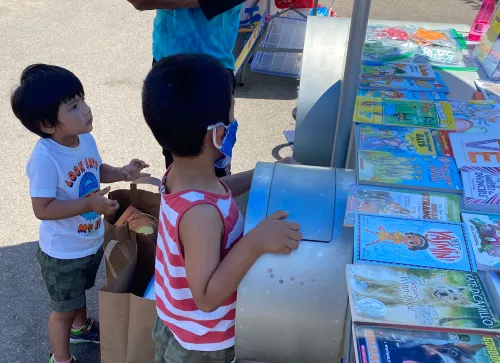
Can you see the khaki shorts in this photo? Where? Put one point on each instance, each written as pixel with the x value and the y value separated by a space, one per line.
pixel 67 280
pixel 168 349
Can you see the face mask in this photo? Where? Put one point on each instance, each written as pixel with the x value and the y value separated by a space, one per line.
pixel 228 140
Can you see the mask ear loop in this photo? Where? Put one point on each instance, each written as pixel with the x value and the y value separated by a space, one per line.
pixel 214 138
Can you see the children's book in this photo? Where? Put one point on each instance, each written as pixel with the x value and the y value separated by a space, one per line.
pixel 399 140
pixel 382 168
pixel 404 95
pixel 476 149
pixel 484 236
pixel 433 115
pixel 383 83
pixel 420 71
pixel 386 344
pixel 476 116
pixel 481 189
pixel 440 300
pixel 414 243
pixel 490 90
pixel 404 203
pixel 493 283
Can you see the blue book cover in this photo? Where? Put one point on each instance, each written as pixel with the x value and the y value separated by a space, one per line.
pixel 381 83
pixel 388 169
pixel 404 95
pixel 414 243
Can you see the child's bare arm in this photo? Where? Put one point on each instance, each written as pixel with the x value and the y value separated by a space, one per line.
pixel 211 280
pixel 130 172
pixel 53 209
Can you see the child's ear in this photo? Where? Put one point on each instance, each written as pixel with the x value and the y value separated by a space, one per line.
pixel 46 127
pixel 219 134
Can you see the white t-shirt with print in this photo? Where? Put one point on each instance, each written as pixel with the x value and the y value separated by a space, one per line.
pixel 64 173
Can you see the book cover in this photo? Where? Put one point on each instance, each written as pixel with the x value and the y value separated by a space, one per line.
pixel 476 149
pixel 385 344
pixel 476 116
pixel 407 203
pixel 414 243
pixel 388 111
pixel 422 71
pixel 383 83
pixel 493 283
pixel 490 90
pixel 481 186
pixel 484 236
pixel 441 300
pixel 404 95
pixel 399 140
pixel 383 168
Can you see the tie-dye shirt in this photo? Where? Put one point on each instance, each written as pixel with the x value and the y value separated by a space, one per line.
pixel 189 31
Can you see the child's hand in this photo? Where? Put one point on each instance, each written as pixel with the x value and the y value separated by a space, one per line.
pixel 98 203
pixel 275 235
pixel 132 171
pixel 288 160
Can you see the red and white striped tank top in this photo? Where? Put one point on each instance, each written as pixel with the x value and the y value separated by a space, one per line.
pixel 193 328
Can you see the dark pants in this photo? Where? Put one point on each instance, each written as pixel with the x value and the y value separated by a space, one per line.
pixel 219 172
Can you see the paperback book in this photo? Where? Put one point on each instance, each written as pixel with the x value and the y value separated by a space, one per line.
pixel 404 203
pixel 383 83
pixel 481 189
pixel 475 116
pixel 385 344
pixel 399 140
pixel 490 90
pixel 418 71
pixel 476 149
pixel 439 300
pixel 484 236
pixel 414 243
pixel 404 95
pixel 493 284
pixel 382 168
pixel 433 115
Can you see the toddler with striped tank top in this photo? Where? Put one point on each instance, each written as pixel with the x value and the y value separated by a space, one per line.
pixel 201 253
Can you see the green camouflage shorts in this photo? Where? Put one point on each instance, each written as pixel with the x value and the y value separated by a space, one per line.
pixel 168 349
pixel 67 280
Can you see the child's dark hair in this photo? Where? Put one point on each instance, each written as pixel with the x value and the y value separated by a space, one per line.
pixel 183 95
pixel 42 90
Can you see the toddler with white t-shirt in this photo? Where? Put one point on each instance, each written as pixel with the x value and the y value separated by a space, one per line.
pixel 65 171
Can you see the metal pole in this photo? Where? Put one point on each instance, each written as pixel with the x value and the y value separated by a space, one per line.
pixel 349 88
pixel 315 7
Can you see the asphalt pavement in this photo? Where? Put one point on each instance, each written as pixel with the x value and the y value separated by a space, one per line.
pixel 108 45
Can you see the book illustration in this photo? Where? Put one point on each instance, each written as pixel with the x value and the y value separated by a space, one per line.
pixel 490 90
pixel 384 83
pixel 423 172
pixel 476 116
pixel 380 344
pixel 434 115
pixel 476 149
pixel 399 140
pixel 397 70
pixel 408 204
pixel 440 300
pixel 482 186
pixel 404 95
pixel 484 236
pixel 415 243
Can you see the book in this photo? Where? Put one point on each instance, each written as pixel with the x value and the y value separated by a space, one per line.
pixel 440 300
pixel 421 71
pixel 484 236
pixel 404 203
pixel 476 149
pixel 493 284
pixel 399 140
pixel 490 90
pixel 481 189
pixel 433 115
pixel 137 221
pixel 382 83
pixel 386 344
pixel 382 168
pixel 476 116
pixel 404 95
pixel 417 243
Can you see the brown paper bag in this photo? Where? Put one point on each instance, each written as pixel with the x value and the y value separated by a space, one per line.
pixel 126 319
